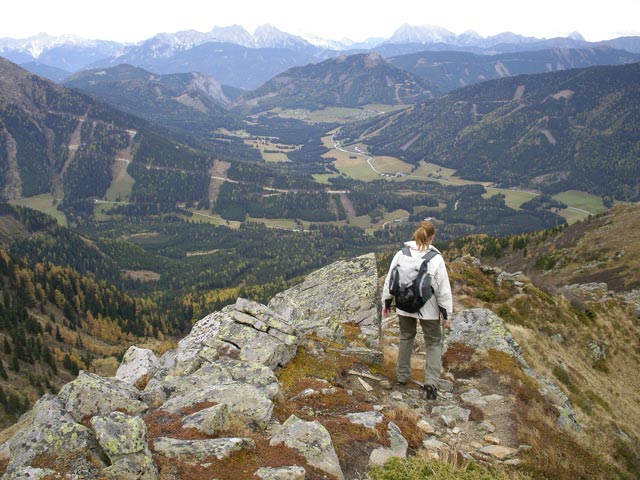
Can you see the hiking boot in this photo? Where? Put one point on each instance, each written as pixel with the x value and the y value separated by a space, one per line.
pixel 430 392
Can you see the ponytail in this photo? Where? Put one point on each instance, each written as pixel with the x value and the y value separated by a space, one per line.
pixel 424 234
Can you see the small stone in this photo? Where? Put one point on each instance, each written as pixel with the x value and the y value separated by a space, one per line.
pixel 433 444
pixel 386 384
pixel 449 376
pixel 426 427
pixel 492 398
pixel 487 426
pixel 492 439
pixel 524 447
pixel 476 445
pixel 445 385
pixel 499 452
pixel 514 462
pixel 449 422
pixel 396 396
pixel 456 431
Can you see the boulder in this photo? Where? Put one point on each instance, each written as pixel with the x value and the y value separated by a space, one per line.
pixel 137 364
pixel 123 438
pixel 90 394
pixel 247 331
pixel 53 432
pixel 482 329
pixel 209 420
pixel 312 441
pixel 245 402
pixel 345 291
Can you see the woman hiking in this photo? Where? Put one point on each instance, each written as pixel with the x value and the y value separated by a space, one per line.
pixel 440 303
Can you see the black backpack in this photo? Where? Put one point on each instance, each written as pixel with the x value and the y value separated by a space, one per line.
pixel 410 283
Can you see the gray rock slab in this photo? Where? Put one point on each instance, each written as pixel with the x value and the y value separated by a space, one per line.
pixel 312 441
pixel 197 451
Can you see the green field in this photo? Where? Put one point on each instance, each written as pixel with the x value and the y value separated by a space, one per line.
pixel 513 198
pixel 581 205
pixel 44 203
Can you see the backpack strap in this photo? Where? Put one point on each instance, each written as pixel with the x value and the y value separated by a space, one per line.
pixel 430 254
pixel 406 251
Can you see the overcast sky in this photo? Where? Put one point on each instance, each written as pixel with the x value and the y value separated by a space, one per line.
pixel 135 20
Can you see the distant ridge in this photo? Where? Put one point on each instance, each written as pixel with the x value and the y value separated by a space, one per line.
pixel 346 81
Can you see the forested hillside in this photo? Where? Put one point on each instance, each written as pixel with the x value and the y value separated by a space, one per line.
pixel 575 129
pixel 451 70
pixel 347 81
pixel 191 103
pixel 63 307
pixel 58 141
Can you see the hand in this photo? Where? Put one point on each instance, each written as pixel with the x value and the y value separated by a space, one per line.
pixel 447 324
pixel 386 312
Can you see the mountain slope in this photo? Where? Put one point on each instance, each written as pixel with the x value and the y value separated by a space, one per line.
pixel 189 102
pixel 349 81
pixel 575 129
pixel 451 70
pixel 56 140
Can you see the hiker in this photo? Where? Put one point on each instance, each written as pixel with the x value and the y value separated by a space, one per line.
pixel 439 304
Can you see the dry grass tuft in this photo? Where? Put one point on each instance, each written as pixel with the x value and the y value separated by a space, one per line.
pixel 407 420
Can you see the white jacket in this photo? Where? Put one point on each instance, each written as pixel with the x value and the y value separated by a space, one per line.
pixel 439 282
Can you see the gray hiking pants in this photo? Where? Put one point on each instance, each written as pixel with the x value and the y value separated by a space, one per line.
pixel 432 333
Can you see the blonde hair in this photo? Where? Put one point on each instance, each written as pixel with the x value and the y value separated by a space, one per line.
pixel 424 234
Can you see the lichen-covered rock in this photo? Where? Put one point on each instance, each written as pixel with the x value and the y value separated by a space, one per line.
pixel 245 402
pixel 312 441
pixel 247 330
pixel 52 432
pixel 366 419
pixel 209 420
pixel 165 385
pixel 293 472
pixel 482 329
pixel 137 363
pixel 251 373
pixel 398 446
pixel 29 473
pixel 119 434
pixel 132 467
pixel 90 394
pixel 335 294
pixel 196 451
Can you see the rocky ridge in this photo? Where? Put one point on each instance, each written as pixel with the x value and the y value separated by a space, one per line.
pixel 221 395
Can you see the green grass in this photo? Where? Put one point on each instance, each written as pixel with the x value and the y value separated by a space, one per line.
pixel 122 184
pixel 44 203
pixel 591 204
pixel 513 198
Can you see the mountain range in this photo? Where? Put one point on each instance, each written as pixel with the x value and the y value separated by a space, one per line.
pixel 271 51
